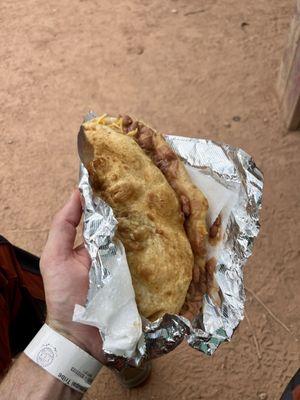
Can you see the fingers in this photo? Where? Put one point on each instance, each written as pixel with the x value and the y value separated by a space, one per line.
pixel 63 230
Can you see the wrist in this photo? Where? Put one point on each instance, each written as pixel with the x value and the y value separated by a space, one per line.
pixel 78 334
pixel 63 359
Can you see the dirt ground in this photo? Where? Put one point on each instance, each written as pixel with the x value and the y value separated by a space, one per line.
pixel 204 68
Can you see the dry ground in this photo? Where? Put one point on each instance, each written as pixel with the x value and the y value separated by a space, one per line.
pixel 188 67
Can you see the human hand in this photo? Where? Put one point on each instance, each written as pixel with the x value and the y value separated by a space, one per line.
pixel 65 273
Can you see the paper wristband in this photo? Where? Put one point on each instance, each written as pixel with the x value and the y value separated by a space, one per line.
pixel 63 359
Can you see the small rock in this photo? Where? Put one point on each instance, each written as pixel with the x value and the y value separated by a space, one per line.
pixel 262 396
pixel 244 24
pixel 266 120
pixel 136 50
pixel 174 11
pixel 139 50
pixel 227 125
pixel 236 118
pixel 10 141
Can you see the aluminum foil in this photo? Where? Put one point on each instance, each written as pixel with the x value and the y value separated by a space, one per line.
pixel 235 170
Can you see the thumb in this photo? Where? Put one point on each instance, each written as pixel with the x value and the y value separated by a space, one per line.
pixel 62 234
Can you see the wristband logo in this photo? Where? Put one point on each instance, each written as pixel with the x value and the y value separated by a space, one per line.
pixel 45 356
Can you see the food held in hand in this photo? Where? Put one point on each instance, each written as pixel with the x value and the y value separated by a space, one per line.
pixel 162 215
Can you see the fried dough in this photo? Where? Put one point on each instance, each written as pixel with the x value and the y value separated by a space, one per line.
pixel 150 221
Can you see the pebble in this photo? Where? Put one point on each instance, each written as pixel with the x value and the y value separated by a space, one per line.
pixel 266 120
pixel 174 11
pixel 139 50
pixel 236 118
pixel 10 141
pixel 136 50
pixel 227 125
pixel 244 24
pixel 262 396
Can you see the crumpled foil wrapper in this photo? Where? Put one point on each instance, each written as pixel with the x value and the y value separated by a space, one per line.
pixel 235 170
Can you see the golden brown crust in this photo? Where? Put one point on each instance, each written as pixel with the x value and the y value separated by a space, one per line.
pixel 150 223
pixel 193 203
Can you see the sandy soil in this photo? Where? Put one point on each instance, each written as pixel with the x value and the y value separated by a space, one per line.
pixel 188 67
